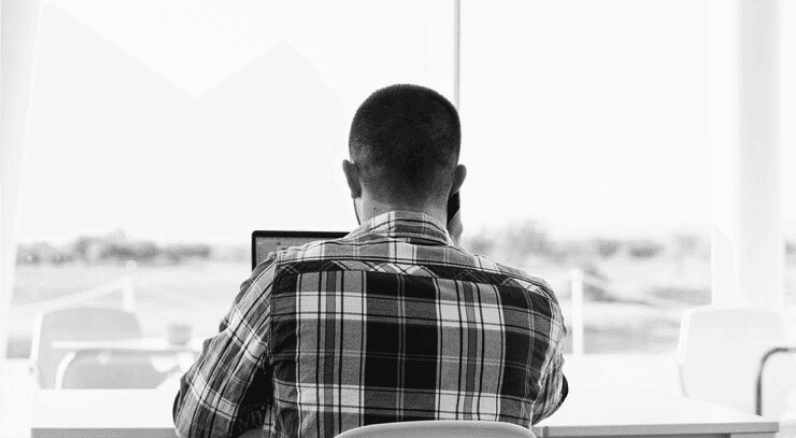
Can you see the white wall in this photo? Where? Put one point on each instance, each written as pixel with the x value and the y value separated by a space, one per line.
pixel 748 251
pixel 19 28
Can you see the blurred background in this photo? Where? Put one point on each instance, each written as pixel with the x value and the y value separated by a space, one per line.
pixel 637 155
pixel 162 134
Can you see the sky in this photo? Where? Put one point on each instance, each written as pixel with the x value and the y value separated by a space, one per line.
pixel 205 120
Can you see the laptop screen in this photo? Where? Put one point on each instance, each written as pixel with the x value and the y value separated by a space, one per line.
pixel 265 242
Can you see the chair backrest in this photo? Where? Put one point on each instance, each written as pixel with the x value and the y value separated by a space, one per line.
pixel 76 324
pixel 440 429
pixel 109 371
pixel 719 355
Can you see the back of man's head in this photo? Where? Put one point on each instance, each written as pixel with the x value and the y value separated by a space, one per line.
pixel 405 139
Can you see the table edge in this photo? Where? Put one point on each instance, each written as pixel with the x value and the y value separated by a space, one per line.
pixel 763 426
pixel 115 432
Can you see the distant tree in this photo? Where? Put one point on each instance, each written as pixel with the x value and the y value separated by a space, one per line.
pixel 176 253
pixel 686 244
pixel 116 246
pixel 137 251
pixel 82 245
pixel 607 247
pixel 27 256
pixel 644 249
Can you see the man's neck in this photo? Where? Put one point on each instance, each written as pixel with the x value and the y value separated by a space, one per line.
pixel 371 208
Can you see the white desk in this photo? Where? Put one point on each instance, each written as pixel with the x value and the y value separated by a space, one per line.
pixel 589 411
pixel 111 413
pixel 633 411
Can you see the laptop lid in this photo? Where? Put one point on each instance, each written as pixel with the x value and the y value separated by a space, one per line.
pixel 265 242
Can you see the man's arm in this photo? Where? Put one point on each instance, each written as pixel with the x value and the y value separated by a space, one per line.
pixel 553 391
pixel 226 391
pixel 553 385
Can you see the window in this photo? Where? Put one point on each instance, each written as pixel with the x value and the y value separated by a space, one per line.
pixel 586 135
pixel 163 133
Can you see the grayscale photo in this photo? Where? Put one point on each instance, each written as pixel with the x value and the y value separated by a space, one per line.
pixel 361 219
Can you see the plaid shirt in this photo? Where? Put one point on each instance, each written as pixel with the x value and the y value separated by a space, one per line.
pixel 390 323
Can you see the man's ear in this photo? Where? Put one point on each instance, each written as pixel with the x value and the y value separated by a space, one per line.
pixel 352 177
pixel 459 174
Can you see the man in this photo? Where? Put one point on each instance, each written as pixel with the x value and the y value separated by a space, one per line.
pixel 393 322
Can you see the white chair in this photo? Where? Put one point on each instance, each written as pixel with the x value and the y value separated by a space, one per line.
pixel 719 355
pixel 76 324
pixel 440 429
pixel 98 370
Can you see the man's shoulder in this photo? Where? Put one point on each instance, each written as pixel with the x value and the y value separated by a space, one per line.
pixel 315 250
pixel 454 257
pixel 318 250
pixel 519 277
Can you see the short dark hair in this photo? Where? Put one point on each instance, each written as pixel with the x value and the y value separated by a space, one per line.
pixel 405 139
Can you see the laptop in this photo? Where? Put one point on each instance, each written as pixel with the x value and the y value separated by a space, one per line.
pixel 266 242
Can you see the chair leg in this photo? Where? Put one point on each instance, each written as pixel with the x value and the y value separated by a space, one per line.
pixel 62 367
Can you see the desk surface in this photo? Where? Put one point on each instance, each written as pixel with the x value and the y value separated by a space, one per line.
pixel 117 413
pixel 588 411
pixel 604 411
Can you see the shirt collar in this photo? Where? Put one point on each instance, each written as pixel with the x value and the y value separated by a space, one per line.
pixel 405 225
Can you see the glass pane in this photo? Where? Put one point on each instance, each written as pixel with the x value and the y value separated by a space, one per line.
pixel 586 135
pixel 163 133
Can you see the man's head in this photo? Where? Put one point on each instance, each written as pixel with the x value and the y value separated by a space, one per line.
pixel 404 145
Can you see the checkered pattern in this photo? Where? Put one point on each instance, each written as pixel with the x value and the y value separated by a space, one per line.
pixel 390 323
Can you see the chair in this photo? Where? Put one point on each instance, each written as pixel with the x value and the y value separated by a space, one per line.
pixel 92 370
pixel 78 324
pixel 440 429
pixel 719 354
